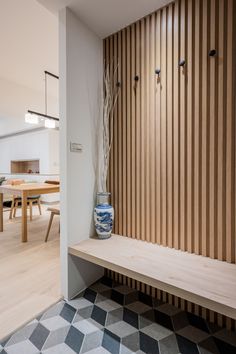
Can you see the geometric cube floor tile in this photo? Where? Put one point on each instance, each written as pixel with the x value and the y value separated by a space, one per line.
pixel 112 318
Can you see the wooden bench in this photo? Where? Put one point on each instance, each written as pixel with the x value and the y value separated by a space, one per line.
pixel 201 280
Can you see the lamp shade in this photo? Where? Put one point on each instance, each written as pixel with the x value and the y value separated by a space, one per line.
pixel 31 118
pixel 49 123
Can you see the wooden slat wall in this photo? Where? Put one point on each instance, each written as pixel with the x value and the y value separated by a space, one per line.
pixel 172 170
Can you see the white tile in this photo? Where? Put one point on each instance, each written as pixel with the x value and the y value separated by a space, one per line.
pixel 54 323
pixel 87 326
pixel 99 350
pixel 59 349
pixel 156 331
pixel 80 303
pixel 25 347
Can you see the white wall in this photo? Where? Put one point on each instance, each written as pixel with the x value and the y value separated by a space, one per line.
pixel 42 145
pixel 80 70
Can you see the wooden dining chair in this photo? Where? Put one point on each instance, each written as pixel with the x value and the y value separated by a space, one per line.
pixel 31 200
pixel 54 211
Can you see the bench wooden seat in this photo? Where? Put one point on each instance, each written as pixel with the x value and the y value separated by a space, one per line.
pixel 201 280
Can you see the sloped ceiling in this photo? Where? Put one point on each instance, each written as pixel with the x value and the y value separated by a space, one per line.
pixel 105 17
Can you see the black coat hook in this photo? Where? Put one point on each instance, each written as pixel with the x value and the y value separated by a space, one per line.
pixel 118 84
pixel 182 62
pixel 212 53
pixel 158 71
pixel 136 78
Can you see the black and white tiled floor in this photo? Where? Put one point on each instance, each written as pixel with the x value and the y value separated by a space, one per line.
pixel 112 318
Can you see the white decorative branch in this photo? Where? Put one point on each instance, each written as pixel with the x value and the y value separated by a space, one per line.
pixel 105 133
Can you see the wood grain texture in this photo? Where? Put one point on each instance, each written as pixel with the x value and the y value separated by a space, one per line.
pixel 30 272
pixel 176 171
pixel 189 276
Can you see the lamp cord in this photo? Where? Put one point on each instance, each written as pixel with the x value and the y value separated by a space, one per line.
pixel 46 101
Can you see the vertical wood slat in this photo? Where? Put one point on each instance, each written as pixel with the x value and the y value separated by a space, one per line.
pixel 221 67
pixel 176 128
pixel 128 124
pixel 138 128
pixel 172 169
pixel 163 130
pixel 152 129
pixel 212 138
pixel 204 112
pixel 182 136
pixel 169 100
pixel 158 128
pixel 147 132
pixel 133 134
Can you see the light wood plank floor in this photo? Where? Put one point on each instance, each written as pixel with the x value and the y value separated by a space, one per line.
pixel 29 272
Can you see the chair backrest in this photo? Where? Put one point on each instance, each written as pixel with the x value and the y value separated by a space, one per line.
pixel 52 182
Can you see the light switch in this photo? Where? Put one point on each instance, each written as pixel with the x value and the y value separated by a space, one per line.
pixel 75 147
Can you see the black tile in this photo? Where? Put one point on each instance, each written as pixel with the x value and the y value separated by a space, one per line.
pixel 131 318
pixel 39 336
pixel 180 320
pixel 208 346
pixel 149 315
pixel 149 300
pixel 117 297
pixel 68 312
pixel 164 320
pixel 186 346
pixel 99 315
pixel 111 342
pixel 197 322
pixel 74 339
pixel 107 281
pixel 90 295
pixel 124 299
pixel 148 344
pixel 224 348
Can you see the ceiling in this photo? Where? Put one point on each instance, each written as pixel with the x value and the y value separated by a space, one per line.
pixel 105 17
pixel 28 42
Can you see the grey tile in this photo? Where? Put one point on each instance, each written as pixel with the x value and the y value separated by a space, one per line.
pixel 99 315
pixel 99 350
pixel 108 305
pixel 56 337
pixel 114 316
pixel 226 336
pixel 148 344
pixel 88 326
pixel 138 307
pixel 59 349
pixel 79 303
pixel 92 341
pixel 103 296
pixel 54 323
pixel 83 314
pixel 156 331
pixel 111 342
pixel 168 309
pixel 208 346
pixel 68 312
pixel 131 341
pixel 168 345
pixel 25 347
pixel 122 329
pixel 99 287
pixel 193 334
pixel 53 311
pixel 74 339
pixel 39 336
pixel 22 334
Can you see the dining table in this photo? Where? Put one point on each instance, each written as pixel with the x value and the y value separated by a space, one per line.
pixel 24 191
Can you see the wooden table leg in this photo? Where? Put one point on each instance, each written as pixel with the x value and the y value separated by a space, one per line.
pixel 1 212
pixel 24 217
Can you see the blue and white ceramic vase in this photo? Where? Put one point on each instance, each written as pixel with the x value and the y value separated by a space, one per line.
pixel 103 216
